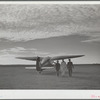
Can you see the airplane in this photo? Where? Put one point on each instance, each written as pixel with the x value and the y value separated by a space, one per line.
pixel 47 61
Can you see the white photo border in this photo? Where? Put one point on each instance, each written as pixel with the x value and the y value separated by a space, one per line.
pixel 49 94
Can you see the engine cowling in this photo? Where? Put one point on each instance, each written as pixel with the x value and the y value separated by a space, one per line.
pixel 45 60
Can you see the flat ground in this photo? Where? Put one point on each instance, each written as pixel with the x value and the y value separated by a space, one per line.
pixel 15 77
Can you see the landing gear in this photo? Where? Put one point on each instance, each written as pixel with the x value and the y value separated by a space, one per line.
pixel 40 72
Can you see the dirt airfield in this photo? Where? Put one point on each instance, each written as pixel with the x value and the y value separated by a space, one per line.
pixel 84 77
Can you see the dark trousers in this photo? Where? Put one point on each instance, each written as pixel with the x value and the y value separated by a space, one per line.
pixel 57 73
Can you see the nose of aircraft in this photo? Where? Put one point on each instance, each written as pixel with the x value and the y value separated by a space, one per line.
pixel 46 59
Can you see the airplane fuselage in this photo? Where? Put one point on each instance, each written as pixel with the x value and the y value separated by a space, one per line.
pixel 44 62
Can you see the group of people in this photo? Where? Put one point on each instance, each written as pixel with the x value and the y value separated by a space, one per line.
pixel 61 68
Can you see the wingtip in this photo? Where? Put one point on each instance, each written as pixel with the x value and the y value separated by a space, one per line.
pixel 82 55
pixel 18 57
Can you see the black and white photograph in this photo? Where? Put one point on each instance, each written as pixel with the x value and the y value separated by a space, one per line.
pixel 50 46
pixel 51 99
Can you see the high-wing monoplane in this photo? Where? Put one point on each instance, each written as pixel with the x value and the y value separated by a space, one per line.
pixel 47 61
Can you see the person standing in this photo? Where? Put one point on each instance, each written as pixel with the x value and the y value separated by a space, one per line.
pixel 57 67
pixel 63 67
pixel 70 66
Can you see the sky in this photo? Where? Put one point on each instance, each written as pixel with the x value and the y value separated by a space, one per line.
pixel 49 30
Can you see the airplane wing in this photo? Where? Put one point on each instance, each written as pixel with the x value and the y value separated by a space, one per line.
pixel 28 58
pixel 65 57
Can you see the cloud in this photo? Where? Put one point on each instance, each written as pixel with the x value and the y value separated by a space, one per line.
pixel 7 56
pixel 29 22
pixel 92 40
pixel 14 50
pixel 20 51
